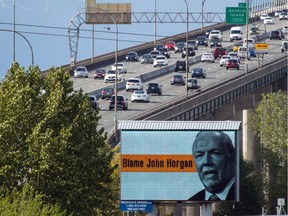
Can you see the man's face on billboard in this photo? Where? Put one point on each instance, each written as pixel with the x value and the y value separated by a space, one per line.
pixel 213 162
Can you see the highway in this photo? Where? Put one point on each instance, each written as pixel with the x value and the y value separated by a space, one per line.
pixel 214 72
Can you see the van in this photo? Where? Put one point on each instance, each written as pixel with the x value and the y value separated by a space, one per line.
pixel 236 33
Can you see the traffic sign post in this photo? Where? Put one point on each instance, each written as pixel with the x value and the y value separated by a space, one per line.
pixel 236 15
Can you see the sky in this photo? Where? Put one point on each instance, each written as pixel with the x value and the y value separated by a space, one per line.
pixel 44 25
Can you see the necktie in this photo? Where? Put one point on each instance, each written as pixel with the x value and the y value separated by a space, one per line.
pixel 214 197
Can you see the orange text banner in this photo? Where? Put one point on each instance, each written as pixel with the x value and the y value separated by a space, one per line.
pixel 157 163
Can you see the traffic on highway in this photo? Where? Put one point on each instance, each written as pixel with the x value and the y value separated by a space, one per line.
pixel 215 72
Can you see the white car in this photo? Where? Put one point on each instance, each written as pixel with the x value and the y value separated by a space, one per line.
pixel 110 76
pixel 277 13
pixel 140 95
pixel 193 83
pixel 134 84
pixel 224 59
pixel 263 16
pixel 120 66
pixel 251 43
pixel 81 71
pixel 160 60
pixel 242 53
pixel 283 15
pixel 285 29
pixel 207 57
pixel 234 55
pixel 268 20
pixel 216 33
pixel 284 46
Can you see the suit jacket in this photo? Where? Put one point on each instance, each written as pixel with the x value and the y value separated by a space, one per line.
pixel 200 196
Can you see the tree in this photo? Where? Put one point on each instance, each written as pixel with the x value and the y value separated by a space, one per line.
pixel 49 139
pixel 270 123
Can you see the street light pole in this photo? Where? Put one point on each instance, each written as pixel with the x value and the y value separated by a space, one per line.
pixel 116 71
pixel 202 9
pixel 155 20
pixel 14 31
pixel 187 64
pixel 247 47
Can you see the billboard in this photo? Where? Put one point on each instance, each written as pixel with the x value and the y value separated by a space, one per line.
pixel 159 165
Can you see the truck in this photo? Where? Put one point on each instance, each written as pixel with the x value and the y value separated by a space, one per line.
pixel 236 33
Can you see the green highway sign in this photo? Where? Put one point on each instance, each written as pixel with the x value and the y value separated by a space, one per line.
pixel 235 15
pixel 241 4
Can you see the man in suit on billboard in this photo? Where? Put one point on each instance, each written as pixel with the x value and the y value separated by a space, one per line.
pixel 214 156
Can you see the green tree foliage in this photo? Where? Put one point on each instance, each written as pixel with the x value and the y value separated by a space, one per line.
pixel 50 141
pixel 27 203
pixel 270 123
pixel 251 194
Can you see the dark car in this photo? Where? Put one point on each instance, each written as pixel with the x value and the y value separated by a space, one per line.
pixel 179 46
pixel 218 52
pixel 159 46
pixel 99 73
pixel 202 40
pixel 198 73
pixel 94 102
pixel 232 63
pixel 193 43
pixel 147 59
pixel 132 56
pixel 180 65
pixel 177 79
pixel 122 102
pixel 107 92
pixel 254 31
pixel 165 52
pixel 191 52
pixel 154 88
pixel 207 33
pixel 215 41
pixel 276 35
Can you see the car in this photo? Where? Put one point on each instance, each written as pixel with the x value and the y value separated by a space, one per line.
pixel 180 65
pixel 277 13
pixel 134 84
pixel 160 60
pixel 236 46
pixel 198 73
pixel 99 73
pixel 234 55
pixel 146 59
pixel 284 29
pixel 122 102
pixel 165 52
pixel 202 40
pixel 283 15
pixel 268 20
pixel 170 45
pixel 140 95
pixel 120 66
pixel 179 46
pixel 154 88
pixel 252 52
pixel 236 33
pixel 251 43
pixel 193 43
pixel 193 83
pixel 215 41
pixel 107 92
pixel 284 46
pixel 232 63
pixel 254 31
pixel 155 53
pixel 207 56
pixel 207 33
pixel 242 53
pixel 223 60
pixel 191 52
pixel 263 16
pixel 159 46
pixel 80 71
pixel 276 34
pixel 177 79
pixel 94 102
pixel 110 76
pixel 132 56
pixel 218 52
pixel 216 33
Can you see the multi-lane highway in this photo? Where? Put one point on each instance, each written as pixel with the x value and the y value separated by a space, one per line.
pixel 215 74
